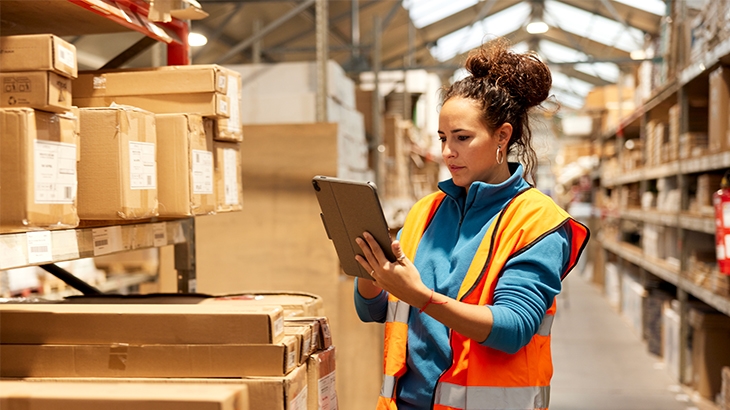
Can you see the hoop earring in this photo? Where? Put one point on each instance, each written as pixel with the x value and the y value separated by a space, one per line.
pixel 500 155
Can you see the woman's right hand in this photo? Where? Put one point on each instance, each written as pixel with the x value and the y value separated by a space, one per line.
pixel 367 288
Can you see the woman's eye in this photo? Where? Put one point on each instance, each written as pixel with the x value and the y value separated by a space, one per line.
pixel 463 137
pixel 442 139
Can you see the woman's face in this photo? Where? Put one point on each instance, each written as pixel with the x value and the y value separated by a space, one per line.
pixel 468 148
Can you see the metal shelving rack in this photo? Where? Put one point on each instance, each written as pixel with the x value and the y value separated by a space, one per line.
pixel 674 92
pixel 84 17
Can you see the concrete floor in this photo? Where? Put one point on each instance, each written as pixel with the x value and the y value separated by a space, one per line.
pixel 601 363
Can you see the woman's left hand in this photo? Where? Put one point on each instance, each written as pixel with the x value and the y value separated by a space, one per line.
pixel 399 278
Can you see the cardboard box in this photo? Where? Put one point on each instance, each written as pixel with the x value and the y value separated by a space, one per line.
pixel 38 178
pixel 293 303
pixel 710 338
pixel 224 129
pixel 139 323
pixel 40 395
pixel 42 90
pixel 321 334
pixel 181 79
pixel 718 109
pixel 118 168
pixel 321 384
pixel 264 393
pixel 205 104
pixel 38 52
pixel 228 187
pixel 303 334
pixel 184 166
pixel 149 360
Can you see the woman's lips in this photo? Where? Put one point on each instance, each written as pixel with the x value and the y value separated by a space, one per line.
pixel 454 168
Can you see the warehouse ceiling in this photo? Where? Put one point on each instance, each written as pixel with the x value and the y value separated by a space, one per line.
pixel 587 42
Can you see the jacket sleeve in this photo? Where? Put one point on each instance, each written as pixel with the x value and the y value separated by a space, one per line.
pixel 525 291
pixel 371 310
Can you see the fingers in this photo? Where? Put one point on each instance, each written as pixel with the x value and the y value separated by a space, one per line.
pixel 375 249
pixel 398 252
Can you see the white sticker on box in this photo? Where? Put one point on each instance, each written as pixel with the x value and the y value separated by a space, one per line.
pixel 142 165
pixel 234 115
pixel 202 172
pixel 230 176
pixel 327 392
pixel 278 326
pixel 107 240
pixel 300 401
pixel 222 78
pixel 159 231
pixel 223 107
pixel 66 56
pixel 39 246
pixel 55 172
pixel 291 360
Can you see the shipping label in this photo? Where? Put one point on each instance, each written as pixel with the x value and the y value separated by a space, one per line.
pixel 202 172
pixel 327 392
pixel 230 176
pixel 55 172
pixel 234 114
pixel 300 401
pixel 66 56
pixel 142 165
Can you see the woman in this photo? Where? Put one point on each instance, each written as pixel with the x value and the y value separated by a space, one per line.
pixel 469 303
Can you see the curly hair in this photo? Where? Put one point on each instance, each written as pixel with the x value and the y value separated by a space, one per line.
pixel 506 85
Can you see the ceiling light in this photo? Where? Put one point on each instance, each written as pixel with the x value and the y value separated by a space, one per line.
pixel 537 27
pixel 638 55
pixel 197 40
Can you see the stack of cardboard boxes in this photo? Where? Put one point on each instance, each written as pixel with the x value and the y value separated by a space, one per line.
pixel 275 345
pixel 40 132
pixel 149 142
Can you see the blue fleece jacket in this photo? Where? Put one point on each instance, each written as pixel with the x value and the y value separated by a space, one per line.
pixel 522 296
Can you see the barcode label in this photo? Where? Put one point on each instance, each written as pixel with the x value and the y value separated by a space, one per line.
pixel 107 240
pixel 54 172
pixel 39 247
pixel 159 231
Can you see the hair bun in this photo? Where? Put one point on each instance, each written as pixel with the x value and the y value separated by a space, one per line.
pixel 523 75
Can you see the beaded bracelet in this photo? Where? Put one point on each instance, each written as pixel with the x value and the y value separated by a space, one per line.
pixel 431 301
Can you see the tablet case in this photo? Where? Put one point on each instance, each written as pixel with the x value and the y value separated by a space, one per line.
pixel 350 208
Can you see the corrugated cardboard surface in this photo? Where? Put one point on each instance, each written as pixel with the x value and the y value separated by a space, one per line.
pixel 205 104
pixel 293 303
pixel 178 137
pixel 718 109
pixel 20 128
pixel 229 194
pixel 67 395
pixel 156 360
pixel 264 393
pixel 321 381
pixel 38 52
pixel 42 90
pixel 139 323
pixel 158 80
pixel 303 334
pixel 105 190
pixel 224 129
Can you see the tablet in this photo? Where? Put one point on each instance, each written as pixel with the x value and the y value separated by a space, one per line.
pixel 350 208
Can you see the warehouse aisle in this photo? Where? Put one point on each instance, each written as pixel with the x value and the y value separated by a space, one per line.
pixel 600 362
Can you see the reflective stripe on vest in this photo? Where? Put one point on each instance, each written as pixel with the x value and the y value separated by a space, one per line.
pixel 398 311
pixel 388 388
pixel 546 325
pixel 492 398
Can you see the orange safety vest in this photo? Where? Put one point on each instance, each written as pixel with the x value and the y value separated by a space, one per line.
pixel 482 378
